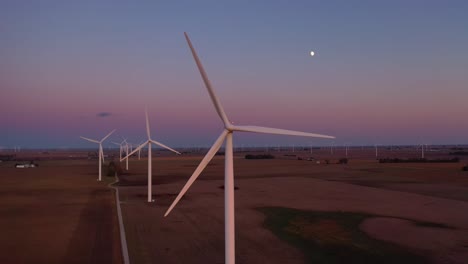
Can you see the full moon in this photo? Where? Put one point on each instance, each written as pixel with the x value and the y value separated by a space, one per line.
pixel 312 53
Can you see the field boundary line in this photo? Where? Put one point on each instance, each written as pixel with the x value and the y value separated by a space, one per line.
pixel 123 238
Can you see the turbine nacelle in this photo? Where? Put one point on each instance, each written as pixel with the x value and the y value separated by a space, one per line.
pixel 229 127
pixel 149 140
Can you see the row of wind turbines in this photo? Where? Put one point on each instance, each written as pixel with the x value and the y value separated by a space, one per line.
pixel 226 137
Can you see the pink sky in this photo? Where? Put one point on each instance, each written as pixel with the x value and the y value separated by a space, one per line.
pixel 387 74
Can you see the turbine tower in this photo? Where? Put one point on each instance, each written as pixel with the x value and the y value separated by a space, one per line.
pixel 126 153
pixel 148 142
pixel 226 135
pixel 139 151
pixel 121 144
pixel 120 149
pixel 101 153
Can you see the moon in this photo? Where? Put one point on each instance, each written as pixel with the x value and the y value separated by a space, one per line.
pixel 312 53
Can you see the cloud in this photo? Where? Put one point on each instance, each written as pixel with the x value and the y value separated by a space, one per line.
pixel 103 114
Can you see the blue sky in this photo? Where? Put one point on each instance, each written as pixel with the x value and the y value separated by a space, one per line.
pixel 384 72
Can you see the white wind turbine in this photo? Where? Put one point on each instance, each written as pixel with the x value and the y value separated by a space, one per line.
pixel 101 153
pixel 226 135
pixel 121 144
pixel 120 149
pixel 148 142
pixel 126 153
pixel 139 151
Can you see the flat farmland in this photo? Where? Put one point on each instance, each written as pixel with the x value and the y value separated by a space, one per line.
pixel 57 213
pixel 421 207
pixel 413 212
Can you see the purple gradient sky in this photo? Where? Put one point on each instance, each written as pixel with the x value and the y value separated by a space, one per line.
pixel 386 73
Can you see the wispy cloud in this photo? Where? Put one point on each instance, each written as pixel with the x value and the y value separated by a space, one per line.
pixel 103 114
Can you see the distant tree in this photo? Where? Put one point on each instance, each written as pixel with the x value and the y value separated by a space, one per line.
pixel 260 156
pixel 418 160
pixel 459 153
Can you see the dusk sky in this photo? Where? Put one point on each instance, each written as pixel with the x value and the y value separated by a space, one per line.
pixel 385 72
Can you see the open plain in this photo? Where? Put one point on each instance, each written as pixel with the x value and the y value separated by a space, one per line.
pixel 59 213
pixel 398 195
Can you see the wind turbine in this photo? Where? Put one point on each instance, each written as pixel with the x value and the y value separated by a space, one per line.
pixel 120 149
pixel 149 142
pixel 121 144
pixel 126 153
pixel 139 151
pixel 101 153
pixel 226 135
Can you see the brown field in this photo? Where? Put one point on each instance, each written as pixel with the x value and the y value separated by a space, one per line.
pixel 397 194
pixel 57 213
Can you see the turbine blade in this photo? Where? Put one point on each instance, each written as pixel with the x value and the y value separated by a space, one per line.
pixel 268 130
pixel 92 140
pixel 207 82
pixel 135 150
pixel 164 146
pixel 115 143
pixel 102 140
pixel 147 124
pixel 199 169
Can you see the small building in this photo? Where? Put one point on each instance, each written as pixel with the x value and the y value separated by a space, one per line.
pixel 25 165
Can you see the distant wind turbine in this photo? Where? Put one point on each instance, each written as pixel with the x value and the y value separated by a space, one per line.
pixel 148 142
pixel 120 149
pixel 101 153
pixel 126 153
pixel 226 135
pixel 121 144
pixel 139 151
